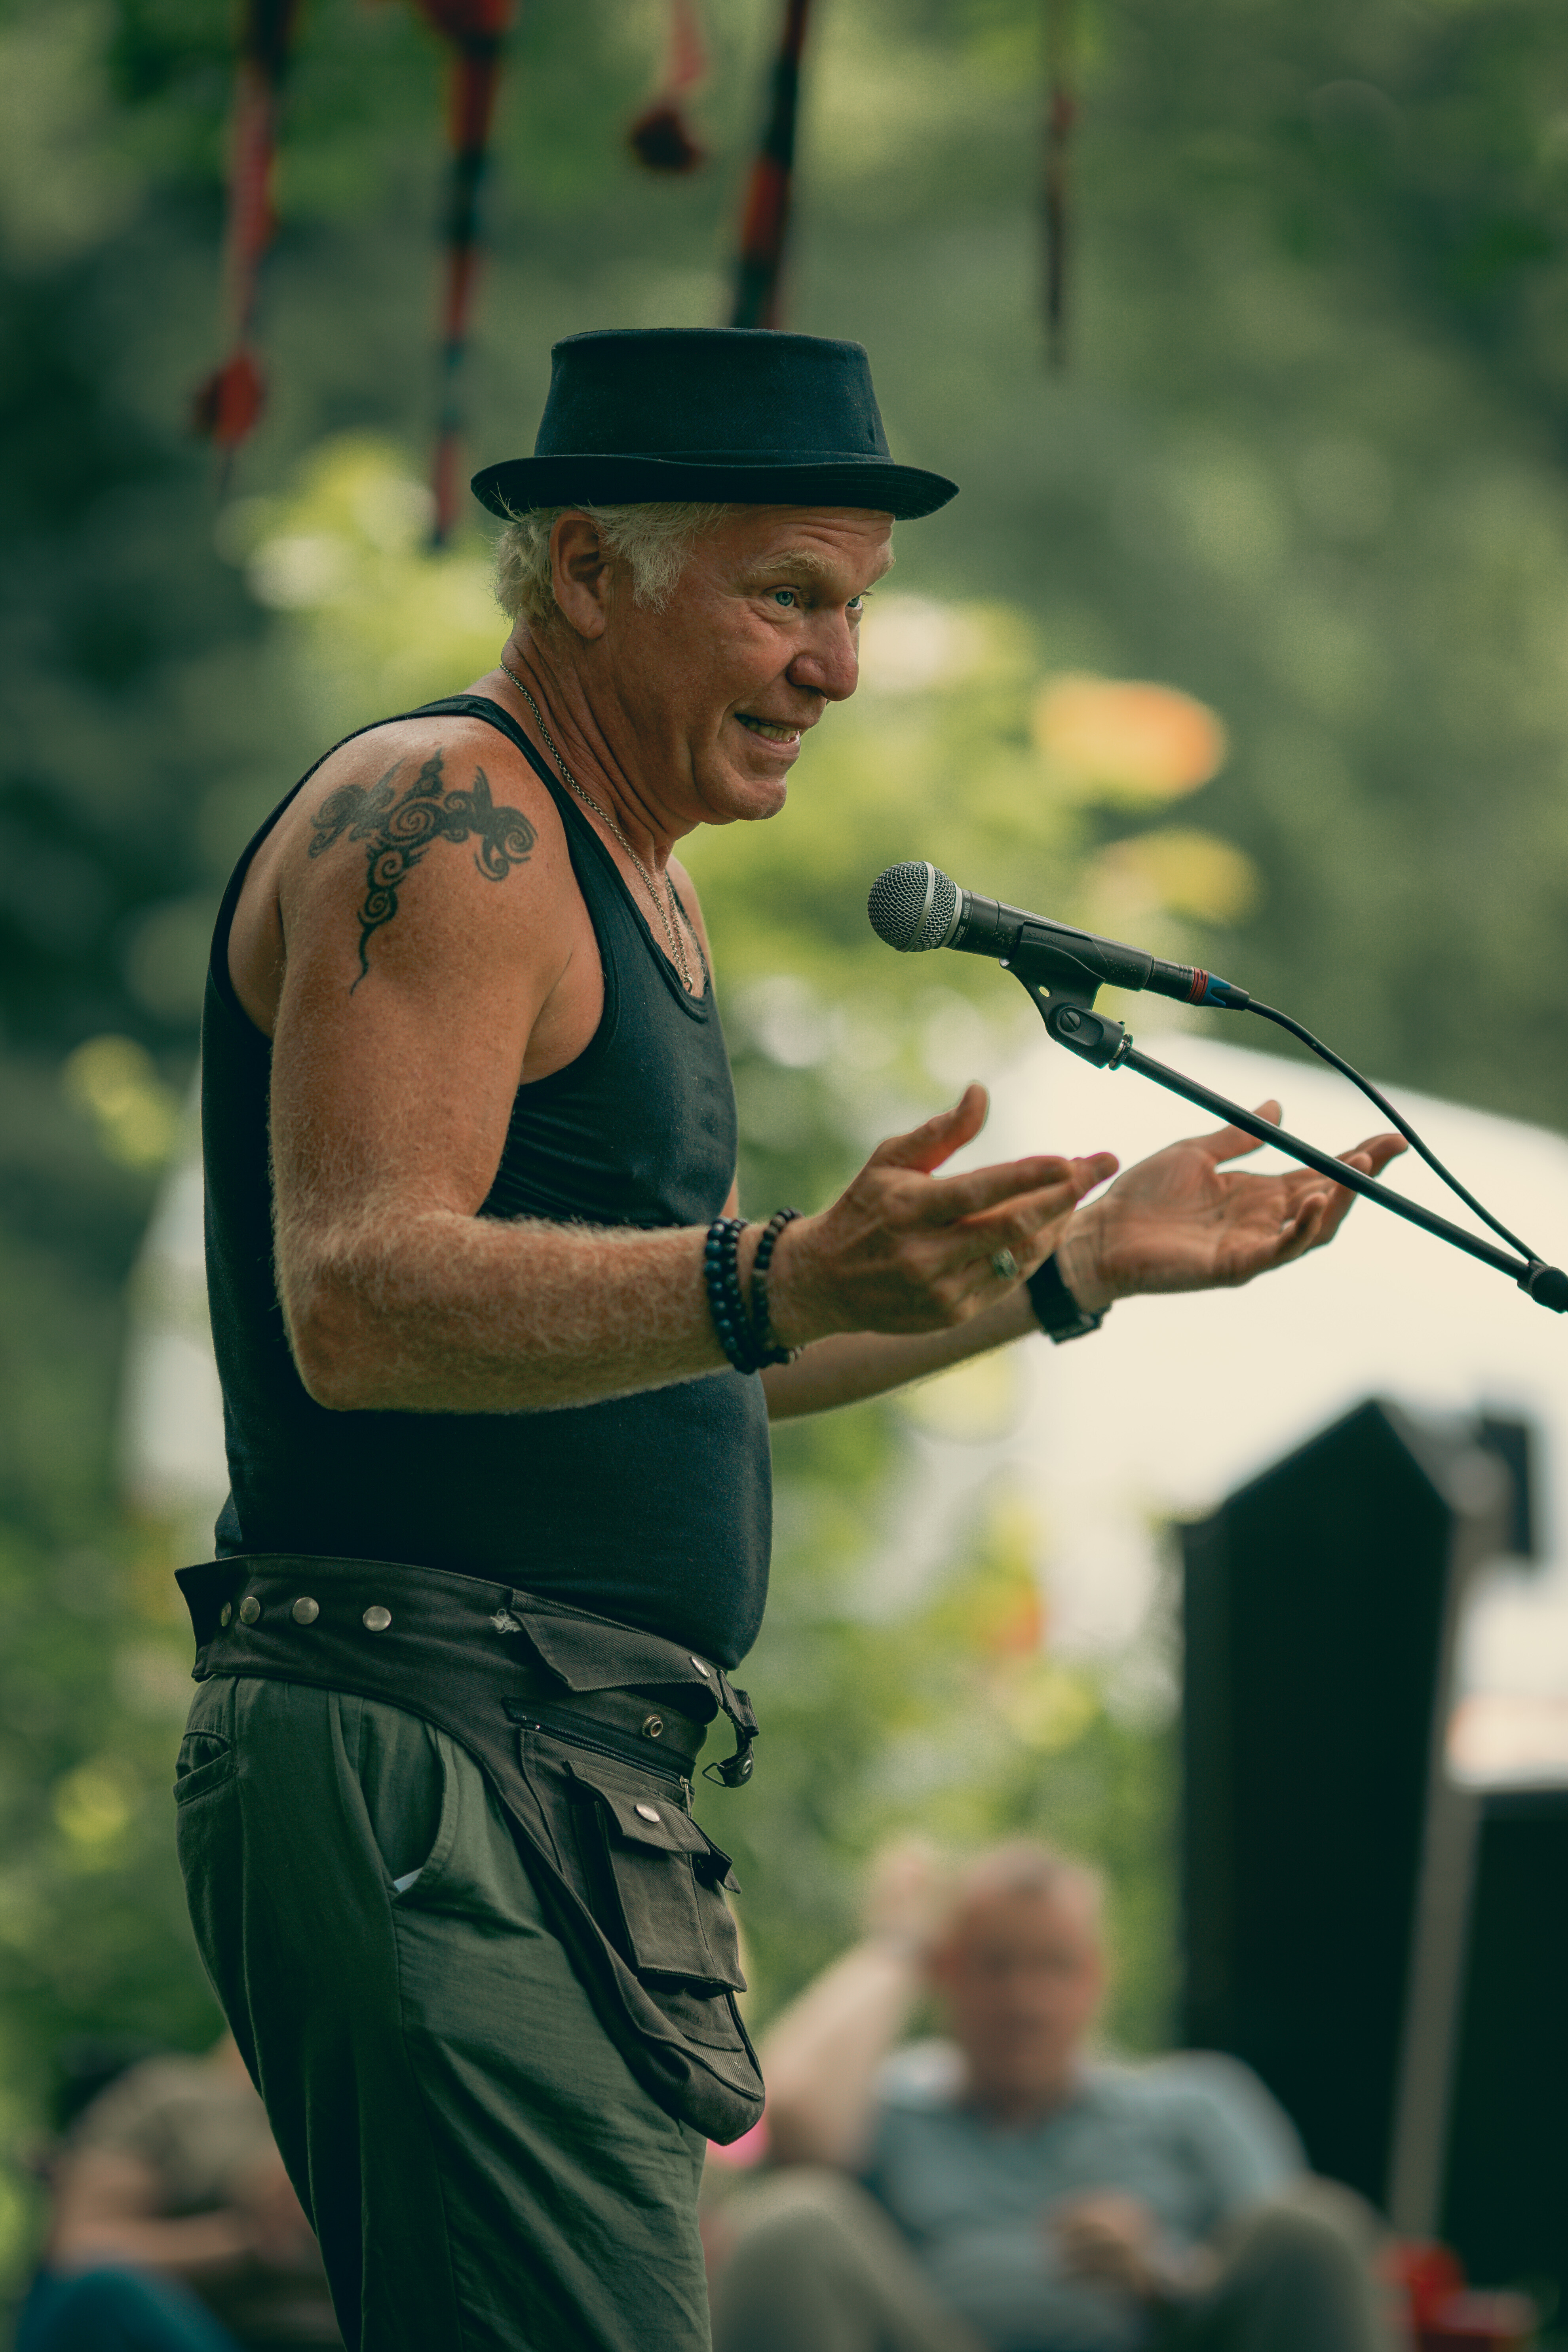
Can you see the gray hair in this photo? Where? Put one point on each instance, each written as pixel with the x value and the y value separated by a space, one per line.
pixel 652 540
pixel 1026 1867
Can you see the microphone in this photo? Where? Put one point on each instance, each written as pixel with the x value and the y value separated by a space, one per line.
pixel 916 907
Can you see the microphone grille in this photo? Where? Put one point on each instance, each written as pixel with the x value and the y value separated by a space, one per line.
pixel 912 906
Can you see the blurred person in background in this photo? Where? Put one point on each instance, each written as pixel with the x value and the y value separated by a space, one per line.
pixel 174 2227
pixel 1003 2191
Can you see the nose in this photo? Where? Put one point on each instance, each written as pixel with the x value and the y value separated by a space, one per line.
pixel 829 662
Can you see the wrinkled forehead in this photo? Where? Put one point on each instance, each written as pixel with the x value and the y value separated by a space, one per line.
pixel 821 545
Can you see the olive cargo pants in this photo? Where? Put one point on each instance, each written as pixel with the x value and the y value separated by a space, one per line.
pixel 484 2172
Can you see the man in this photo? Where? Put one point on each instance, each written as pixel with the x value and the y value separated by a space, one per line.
pixel 487 1331
pixel 174 2227
pixel 1001 2192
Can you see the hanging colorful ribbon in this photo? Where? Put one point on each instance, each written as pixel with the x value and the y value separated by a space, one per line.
pixel 660 138
pixel 475 29
pixel 1060 115
pixel 765 222
pixel 228 406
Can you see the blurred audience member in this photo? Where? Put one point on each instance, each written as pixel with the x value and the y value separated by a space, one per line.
pixel 1000 2192
pixel 174 2227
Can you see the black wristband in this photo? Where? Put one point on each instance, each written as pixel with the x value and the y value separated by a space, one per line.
pixel 721 1275
pixel 1056 1311
pixel 762 1338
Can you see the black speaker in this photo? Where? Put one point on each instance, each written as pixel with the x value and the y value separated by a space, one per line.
pixel 1318 1614
pixel 1505 2197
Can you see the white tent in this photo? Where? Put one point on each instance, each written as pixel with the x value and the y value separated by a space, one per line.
pixel 1177 1401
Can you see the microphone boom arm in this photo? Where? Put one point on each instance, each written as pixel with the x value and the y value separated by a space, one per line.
pixel 1063 992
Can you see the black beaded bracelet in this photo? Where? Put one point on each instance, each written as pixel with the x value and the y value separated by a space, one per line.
pixel 763 1339
pixel 721 1273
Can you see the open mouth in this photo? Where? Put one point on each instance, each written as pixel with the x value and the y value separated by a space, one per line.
pixel 770 730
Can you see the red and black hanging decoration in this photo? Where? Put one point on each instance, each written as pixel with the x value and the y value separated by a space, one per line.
pixel 476 30
pixel 765 222
pixel 1060 115
pixel 228 404
pixel 660 138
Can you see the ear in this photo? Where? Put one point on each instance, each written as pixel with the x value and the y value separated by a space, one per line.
pixel 580 572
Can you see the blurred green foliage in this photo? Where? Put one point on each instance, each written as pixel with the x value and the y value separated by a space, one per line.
pixel 1306 465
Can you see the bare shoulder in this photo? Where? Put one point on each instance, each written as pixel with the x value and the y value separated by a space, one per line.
pixel 383 805
pixel 420 842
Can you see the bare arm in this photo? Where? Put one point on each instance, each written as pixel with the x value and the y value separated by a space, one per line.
pixel 856 1364
pixel 820 2056
pixel 395 1064
pixel 820 2059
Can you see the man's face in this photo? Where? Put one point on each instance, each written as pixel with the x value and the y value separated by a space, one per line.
pixel 1022 1979
pixel 760 634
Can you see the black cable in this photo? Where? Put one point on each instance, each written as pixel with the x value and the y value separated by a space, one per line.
pixel 1349 1070
pixel 1346 1069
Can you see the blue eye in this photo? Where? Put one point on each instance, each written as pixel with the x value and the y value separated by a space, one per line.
pixel 783 596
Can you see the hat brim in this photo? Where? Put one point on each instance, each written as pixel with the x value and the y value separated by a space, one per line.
pixel 593 479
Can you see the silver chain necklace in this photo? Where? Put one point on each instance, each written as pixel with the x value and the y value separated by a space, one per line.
pixel 671 930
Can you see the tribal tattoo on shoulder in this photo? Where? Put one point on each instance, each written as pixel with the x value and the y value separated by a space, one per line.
pixel 400 828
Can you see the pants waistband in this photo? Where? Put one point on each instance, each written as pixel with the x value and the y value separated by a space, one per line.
pixel 416 1635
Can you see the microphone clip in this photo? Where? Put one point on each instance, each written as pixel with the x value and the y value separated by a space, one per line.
pixel 1088 1034
pixel 1063 993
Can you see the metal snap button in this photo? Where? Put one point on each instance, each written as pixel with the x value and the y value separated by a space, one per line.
pixel 226 1614
pixel 701 1668
pixel 648 1813
pixel 376 1619
pixel 249 1609
pixel 653 1727
pixel 305 1611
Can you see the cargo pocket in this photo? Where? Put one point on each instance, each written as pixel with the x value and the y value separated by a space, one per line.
pixel 400 1768
pixel 205 1762
pixel 659 1881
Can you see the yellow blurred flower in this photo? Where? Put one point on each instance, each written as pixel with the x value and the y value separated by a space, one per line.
pixel 1176 871
pixel 116 1082
pixel 1047 1707
pixel 95 1802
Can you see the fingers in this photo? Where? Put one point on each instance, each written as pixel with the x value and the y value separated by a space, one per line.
pixel 1030 1227
pixel 1315 1221
pixel 1317 1216
pixel 926 1147
pixel 1233 1142
pixel 1330 1207
pixel 1026 1227
pixel 1373 1155
pixel 955 1198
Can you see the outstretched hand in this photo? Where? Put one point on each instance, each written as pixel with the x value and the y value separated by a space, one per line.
pixel 1182 1221
pixel 905 1250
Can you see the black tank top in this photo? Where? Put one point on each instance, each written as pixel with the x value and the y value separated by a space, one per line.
pixel 654 1509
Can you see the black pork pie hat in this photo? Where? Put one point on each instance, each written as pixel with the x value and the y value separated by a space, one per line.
pixel 737 414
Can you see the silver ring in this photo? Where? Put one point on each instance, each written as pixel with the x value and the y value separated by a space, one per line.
pixel 1004 1266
